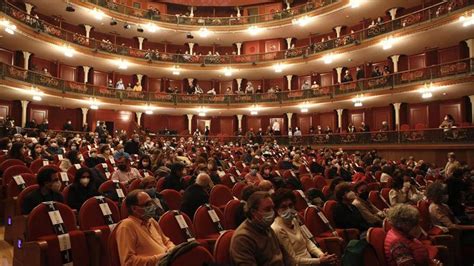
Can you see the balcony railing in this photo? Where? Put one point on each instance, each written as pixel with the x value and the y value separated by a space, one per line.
pixel 451 70
pixel 456 135
pixel 433 12
pixel 212 21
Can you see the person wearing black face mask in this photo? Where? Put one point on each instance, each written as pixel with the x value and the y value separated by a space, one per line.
pixel 125 173
pixel 369 212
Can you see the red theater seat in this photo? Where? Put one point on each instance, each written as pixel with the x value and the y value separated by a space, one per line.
pixel 376 238
pixel 9 162
pixel 220 195
pixel 170 226
pixel 172 198
pixel 222 247
pixel 237 189
pixel 204 227
pixel 12 171
pixel 230 212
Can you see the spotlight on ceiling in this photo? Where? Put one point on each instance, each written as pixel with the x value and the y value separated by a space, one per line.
pixel 113 22
pixel 139 29
pixel 126 26
pixel 70 8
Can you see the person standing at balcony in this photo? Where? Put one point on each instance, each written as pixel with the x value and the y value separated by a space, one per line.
pixel 110 84
pixel 271 90
pixel 360 73
pixel 315 86
pixel 211 91
pixel 129 87
pixel 228 91
pixel 119 85
pixel 190 90
pixel 31 124
pixel 363 127
pixel 277 89
pixel 249 89
pixel 137 87
pixel 46 72
pixel 198 90
pixel 384 127
pixel 347 76
pixel 68 126
pixel 376 72
pixel 259 89
pixel 351 128
pixel 305 86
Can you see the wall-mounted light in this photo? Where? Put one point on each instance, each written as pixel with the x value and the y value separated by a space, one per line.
pixel 228 71
pixel 467 19
pixel 68 50
pixel 328 58
pixel 254 109
pixel 8 26
pixel 358 100
pixel 93 104
pixel 254 30
pixel 176 70
pixel 202 111
pixel 427 90
pixel 150 27
pixel 204 32
pixel 122 64
pixel 387 43
pixel 97 13
pixel 302 21
pixel 278 67
pixel 37 95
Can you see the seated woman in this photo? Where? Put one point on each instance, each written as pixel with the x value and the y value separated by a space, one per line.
pixel 253 177
pixel 82 189
pixel 403 191
pixel 18 151
pixel 369 212
pixel 401 244
pixel 345 214
pixel 72 157
pixel 448 123
pixel 300 249
pixel 266 173
pixel 442 216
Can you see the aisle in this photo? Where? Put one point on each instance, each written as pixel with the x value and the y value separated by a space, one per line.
pixel 6 250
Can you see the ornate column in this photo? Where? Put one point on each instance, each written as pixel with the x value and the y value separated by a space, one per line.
pixel 470 45
pixel 139 118
pixel 396 107
pixel 288 42
pixel 393 13
pixel 190 123
pixel 239 47
pixel 471 98
pixel 191 46
pixel 28 8
pixel 338 31
pixel 288 79
pixel 26 59
pixel 139 78
pixel 239 84
pixel 339 117
pixel 395 59
pixel 24 106
pixel 190 81
pixel 339 74
pixel 289 116
pixel 140 42
pixel 84 115
pixel 88 30
pixel 239 122
pixel 86 73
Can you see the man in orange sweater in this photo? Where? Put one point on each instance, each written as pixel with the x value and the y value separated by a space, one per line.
pixel 140 240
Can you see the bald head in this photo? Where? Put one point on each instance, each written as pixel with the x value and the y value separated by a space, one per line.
pixel 204 180
pixel 265 185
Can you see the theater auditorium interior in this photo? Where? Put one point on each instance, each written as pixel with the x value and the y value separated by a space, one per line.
pixel 236 132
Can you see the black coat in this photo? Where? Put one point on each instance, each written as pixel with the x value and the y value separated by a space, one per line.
pixel 35 198
pixel 193 197
pixel 78 194
pixel 348 216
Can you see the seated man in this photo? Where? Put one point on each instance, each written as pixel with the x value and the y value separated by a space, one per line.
pixel 49 190
pixel 254 242
pixel 197 194
pixel 140 240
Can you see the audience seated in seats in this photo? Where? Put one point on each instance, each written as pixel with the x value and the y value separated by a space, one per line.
pixel 140 239
pixel 448 123
pixel 266 186
pixel 345 214
pixel 332 187
pixel 402 246
pixel 373 216
pixel 18 151
pixel 458 189
pixel 240 213
pixel 197 194
pixel 132 146
pixel 72 158
pixel 315 197
pixel 254 242
pixel 82 189
pixel 174 179
pixel 148 184
pixel 93 159
pixel 387 172
pixel 49 190
pixel 125 173
pixel 347 76
pixel 403 191
pixel 300 248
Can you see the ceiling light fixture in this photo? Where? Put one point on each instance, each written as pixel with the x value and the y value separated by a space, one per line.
pixel 302 21
pixel 127 26
pixel 254 110
pixel 387 43
pixel 68 50
pixel 355 3
pixel 467 20
pixel 228 71
pixel 70 8
pixel 427 91
pixel 278 67
pixel 122 64
pixel 97 14
pixel 176 70
pixel 254 30
pixel 113 22
pixel 150 27
pixel 140 29
pixel 304 107
pixel 94 105
pixel 328 58
pixel 37 94
pixel 9 27
pixel 148 109
pixel 358 100
pixel 202 111
pixel 204 32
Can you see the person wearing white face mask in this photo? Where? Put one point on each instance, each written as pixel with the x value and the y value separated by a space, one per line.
pixel 49 190
pixel 300 248
pixel 403 191
pixel 93 159
pixel 254 242
pixel 82 189
pixel 345 214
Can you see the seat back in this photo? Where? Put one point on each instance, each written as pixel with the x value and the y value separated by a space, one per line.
pixel 220 195
pixel 23 194
pixel 425 219
pixel 374 198
pixel 37 164
pixel 313 221
pixel 135 184
pixel 106 169
pixel 196 256
pixel 384 192
pixel 170 226
pixel 325 191
pixel 301 203
pixel 204 225
pixel 12 171
pixel 228 180
pixel 307 182
pixel 237 190
pixel 404 127
pixel 109 185
pixel 14 190
pixel 10 162
pixel 39 223
pixel 172 198
pixel 90 214
pixel 230 211
pixel 112 248
pixel 328 210
pixel 320 181
pixel 159 184
pixel 222 248
pixel 376 238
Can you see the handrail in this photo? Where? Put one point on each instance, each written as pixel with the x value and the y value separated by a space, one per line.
pixel 426 14
pixel 460 135
pixel 211 21
pixel 457 68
